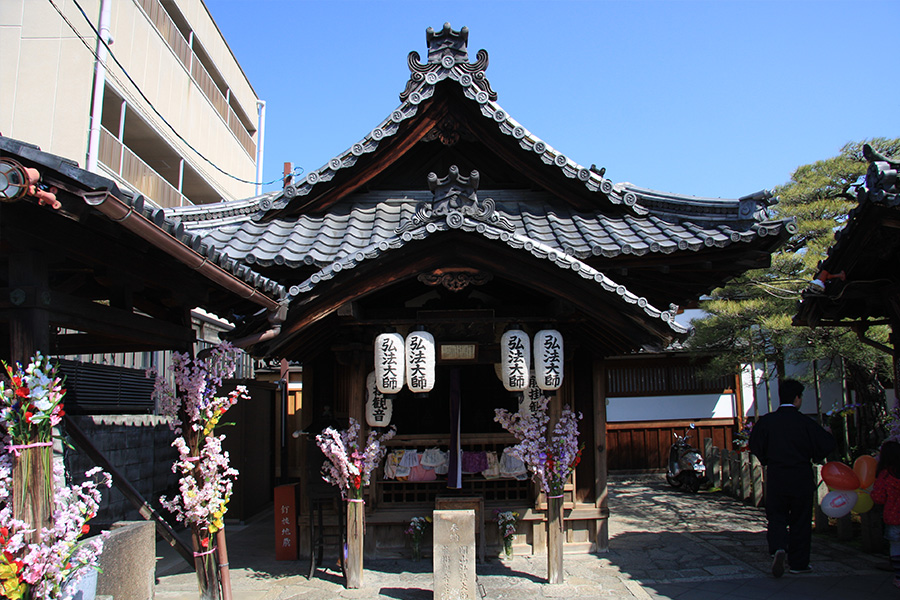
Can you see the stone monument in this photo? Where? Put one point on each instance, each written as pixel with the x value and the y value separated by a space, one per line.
pixel 454 555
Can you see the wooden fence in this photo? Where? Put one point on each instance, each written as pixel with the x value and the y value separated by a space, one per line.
pixel 740 475
pixel 644 445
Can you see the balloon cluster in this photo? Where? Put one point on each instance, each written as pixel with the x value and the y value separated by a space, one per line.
pixel 849 488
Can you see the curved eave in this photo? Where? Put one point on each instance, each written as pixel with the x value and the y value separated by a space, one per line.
pixel 517 241
pixel 630 320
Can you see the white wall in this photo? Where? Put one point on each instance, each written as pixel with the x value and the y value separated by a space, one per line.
pixel 830 395
pixel 665 408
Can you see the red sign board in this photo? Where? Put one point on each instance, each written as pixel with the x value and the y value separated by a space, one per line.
pixel 286 538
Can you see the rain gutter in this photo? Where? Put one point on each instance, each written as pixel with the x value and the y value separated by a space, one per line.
pixel 137 223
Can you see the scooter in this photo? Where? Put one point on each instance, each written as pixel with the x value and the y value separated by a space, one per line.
pixel 686 469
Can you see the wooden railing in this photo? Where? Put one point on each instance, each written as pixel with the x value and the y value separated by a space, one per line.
pixel 127 165
pixel 395 493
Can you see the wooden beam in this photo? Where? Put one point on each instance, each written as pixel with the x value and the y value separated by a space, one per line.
pixel 29 323
pixel 93 317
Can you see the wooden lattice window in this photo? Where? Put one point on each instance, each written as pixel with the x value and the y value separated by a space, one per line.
pixel 390 492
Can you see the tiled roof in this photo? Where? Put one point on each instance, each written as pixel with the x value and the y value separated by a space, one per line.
pixel 353 234
pixel 362 226
pixel 171 226
pixel 860 265
pixel 451 65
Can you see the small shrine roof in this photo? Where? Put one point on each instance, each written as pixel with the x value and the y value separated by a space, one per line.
pixel 855 282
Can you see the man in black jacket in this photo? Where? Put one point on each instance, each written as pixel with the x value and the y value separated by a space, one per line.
pixel 786 441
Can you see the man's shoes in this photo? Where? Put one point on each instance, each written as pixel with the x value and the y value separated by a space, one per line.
pixel 806 569
pixel 778 564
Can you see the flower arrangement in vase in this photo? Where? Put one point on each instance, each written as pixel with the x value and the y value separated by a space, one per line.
pixel 348 466
pixel 32 405
pixel 42 520
pixel 416 532
pixel 550 459
pixel 195 411
pixel 506 522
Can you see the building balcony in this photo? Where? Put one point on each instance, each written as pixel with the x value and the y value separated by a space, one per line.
pixel 193 63
pixel 121 161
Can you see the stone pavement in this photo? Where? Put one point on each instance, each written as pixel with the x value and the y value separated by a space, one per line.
pixel 663 544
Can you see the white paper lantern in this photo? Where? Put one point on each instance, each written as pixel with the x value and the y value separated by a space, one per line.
pixel 379 409
pixel 548 359
pixel 420 362
pixel 390 363
pixel 528 403
pixel 515 359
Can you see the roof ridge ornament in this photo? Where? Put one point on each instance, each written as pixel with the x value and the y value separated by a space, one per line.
pixel 455 199
pixel 881 183
pixel 448 56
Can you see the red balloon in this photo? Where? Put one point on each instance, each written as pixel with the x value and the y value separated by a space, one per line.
pixel 839 476
pixel 865 467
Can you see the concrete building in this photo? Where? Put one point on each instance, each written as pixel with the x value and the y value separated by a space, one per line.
pixel 175 114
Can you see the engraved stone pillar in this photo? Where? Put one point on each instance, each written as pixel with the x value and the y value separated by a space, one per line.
pixel 454 555
pixel 555 538
pixel 356 527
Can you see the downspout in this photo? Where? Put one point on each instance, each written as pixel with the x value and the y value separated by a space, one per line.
pixel 260 140
pixel 99 85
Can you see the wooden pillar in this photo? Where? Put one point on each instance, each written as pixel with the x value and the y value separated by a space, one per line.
pixel 29 291
pixel 356 527
pixel 555 539
pixel 601 470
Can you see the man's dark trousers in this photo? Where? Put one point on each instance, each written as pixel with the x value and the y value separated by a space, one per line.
pixel 789 505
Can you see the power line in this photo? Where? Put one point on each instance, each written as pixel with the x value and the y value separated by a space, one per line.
pixel 144 96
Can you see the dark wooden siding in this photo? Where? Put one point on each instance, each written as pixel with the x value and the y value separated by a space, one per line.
pixel 665 376
pixel 644 445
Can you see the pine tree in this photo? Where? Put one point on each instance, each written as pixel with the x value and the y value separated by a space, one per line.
pixel 749 319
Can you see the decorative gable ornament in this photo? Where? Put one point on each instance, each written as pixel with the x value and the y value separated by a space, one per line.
pixel 379 409
pixel 515 360
pixel 448 57
pixel 390 363
pixel 420 362
pixel 548 359
pixel 455 201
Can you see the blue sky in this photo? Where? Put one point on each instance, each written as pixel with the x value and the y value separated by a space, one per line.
pixel 716 99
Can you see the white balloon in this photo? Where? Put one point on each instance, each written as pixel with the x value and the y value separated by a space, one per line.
pixel 837 504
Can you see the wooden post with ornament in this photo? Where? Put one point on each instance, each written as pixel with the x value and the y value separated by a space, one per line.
pixel 32 459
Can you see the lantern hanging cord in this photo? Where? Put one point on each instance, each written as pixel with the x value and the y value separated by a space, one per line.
pixel 296 171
